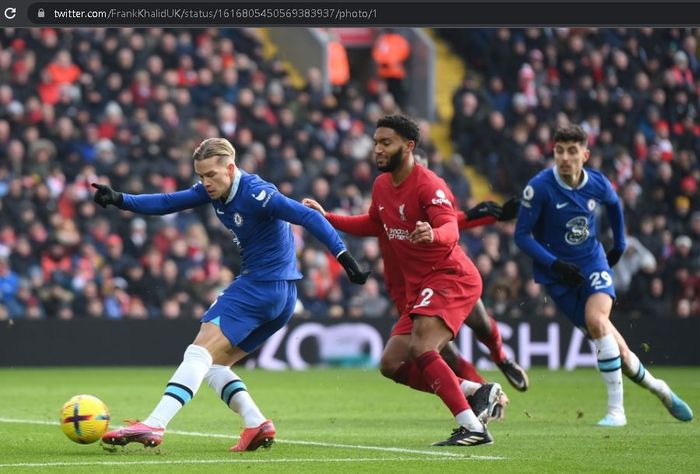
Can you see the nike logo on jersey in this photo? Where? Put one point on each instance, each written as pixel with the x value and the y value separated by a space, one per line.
pixel 219 212
pixel 260 196
pixel 381 208
pixel 561 205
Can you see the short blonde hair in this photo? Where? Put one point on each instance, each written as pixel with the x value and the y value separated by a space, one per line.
pixel 214 147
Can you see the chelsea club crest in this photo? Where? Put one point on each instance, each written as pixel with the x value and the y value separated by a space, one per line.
pixel 237 219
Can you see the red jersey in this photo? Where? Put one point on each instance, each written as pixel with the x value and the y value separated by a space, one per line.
pixel 362 225
pixel 422 196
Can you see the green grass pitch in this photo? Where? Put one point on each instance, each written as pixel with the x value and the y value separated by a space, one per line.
pixel 349 421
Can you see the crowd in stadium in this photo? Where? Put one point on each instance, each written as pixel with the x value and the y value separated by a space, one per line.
pixel 128 107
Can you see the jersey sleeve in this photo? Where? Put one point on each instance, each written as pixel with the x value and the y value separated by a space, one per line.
pixel 281 207
pixel 615 215
pixel 166 203
pixel 532 205
pixel 434 198
pixel 360 225
pixel 465 223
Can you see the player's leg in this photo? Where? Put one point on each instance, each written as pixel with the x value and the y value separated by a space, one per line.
pixel 430 333
pixel 486 331
pixel 459 365
pixel 234 393
pixel 597 318
pixel 258 431
pixel 181 388
pixel 478 390
pixel 635 371
pixel 397 365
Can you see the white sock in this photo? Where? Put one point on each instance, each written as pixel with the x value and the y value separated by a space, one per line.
pixel 469 387
pixel 636 371
pixel 235 394
pixel 469 420
pixel 610 366
pixel 182 386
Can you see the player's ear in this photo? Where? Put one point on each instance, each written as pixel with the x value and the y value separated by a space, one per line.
pixel 410 146
pixel 586 154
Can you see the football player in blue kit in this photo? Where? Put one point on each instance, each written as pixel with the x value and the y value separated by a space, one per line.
pixel 556 227
pixel 253 307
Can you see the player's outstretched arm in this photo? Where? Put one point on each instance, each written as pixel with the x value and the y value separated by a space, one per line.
pixel 352 268
pixel 488 212
pixel 105 195
pixel 510 209
pixel 360 225
pixel 152 204
pixel 289 210
pixel 484 209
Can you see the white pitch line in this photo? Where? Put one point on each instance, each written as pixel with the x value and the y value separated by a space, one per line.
pixel 215 461
pixel 305 443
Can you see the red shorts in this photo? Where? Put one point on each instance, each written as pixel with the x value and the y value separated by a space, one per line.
pixel 448 297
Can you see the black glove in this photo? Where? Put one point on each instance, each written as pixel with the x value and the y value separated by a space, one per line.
pixel 510 209
pixel 484 209
pixel 352 268
pixel 106 195
pixel 613 256
pixel 568 273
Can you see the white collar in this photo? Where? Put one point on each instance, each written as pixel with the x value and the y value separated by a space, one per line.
pixel 234 186
pixel 566 186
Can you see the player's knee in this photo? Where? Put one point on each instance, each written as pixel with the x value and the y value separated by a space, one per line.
pixel 418 349
pixel 597 324
pixel 388 368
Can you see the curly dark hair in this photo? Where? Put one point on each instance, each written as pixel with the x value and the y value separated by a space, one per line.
pixel 401 124
pixel 571 133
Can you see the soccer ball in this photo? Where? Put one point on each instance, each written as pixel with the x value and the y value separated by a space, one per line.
pixel 84 419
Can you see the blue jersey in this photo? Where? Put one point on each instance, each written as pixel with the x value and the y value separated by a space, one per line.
pixel 258 217
pixel 557 221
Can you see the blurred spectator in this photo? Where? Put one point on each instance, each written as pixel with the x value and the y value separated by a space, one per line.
pixel 389 52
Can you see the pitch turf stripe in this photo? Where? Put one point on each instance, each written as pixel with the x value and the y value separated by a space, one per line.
pixel 303 443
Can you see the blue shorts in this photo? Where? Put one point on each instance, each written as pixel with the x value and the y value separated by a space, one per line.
pixel 249 312
pixel 598 278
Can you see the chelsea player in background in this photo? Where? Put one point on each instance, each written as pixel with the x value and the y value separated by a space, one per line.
pixel 253 307
pixel 556 228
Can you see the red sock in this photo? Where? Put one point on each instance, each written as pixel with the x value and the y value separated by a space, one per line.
pixel 493 341
pixel 409 374
pixel 438 375
pixel 466 370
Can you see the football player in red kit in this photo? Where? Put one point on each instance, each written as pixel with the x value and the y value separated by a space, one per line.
pixel 442 285
pixel 483 326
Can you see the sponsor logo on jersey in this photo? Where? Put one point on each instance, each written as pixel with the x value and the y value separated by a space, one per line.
pixel 237 219
pixel 396 234
pixel 401 212
pixel 441 198
pixel 578 231
pixel 235 238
